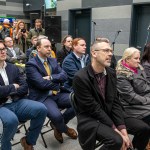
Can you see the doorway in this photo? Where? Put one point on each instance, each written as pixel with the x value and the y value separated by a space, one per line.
pixel 80 25
pixel 140 23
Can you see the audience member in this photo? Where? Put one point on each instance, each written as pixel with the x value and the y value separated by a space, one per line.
pixel 20 35
pixel 134 93
pixel 6 29
pixel 113 59
pixel 99 111
pixel 37 30
pixel 45 77
pixel 66 49
pixel 75 61
pixel 14 54
pixel 29 53
pixel 146 60
pixel 15 107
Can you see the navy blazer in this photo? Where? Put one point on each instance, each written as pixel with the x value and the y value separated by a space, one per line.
pixel 38 87
pixel 71 65
pixel 9 90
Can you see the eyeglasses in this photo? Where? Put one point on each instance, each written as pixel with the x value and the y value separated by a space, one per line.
pixel 3 49
pixel 105 50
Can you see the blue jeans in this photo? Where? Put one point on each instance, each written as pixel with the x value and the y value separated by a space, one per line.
pixel 20 111
pixel 53 104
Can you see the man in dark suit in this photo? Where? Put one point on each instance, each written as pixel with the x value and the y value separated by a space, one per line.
pixel 45 78
pixel 15 107
pixel 99 111
pixel 14 54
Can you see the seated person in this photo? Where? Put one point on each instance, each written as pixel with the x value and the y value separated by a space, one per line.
pixel 134 93
pixel 45 77
pixel 76 60
pixel 14 54
pixel 28 51
pixel 34 52
pixel 65 50
pixel 99 114
pixel 113 59
pixel 146 60
pixel 15 107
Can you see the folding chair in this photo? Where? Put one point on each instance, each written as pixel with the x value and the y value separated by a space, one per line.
pixel 72 100
pixel 21 124
pixel 46 125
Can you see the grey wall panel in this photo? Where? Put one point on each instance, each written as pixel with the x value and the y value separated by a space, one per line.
pixel 16 1
pixel 14 5
pixel 140 1
pixel 123 37
pixel 112 25
pixel 64 25
pixel 105 3
pixel 64 14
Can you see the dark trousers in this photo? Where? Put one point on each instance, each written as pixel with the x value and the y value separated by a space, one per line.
pixel 141 131
pixel 53 104
pixel 110 138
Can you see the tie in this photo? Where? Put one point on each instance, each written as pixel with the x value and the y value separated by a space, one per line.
pixel 47 68
pixel 49 73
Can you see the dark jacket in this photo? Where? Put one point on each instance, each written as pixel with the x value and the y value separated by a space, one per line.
pixel 71 65
pixel 93 109
pixel 20 56
pixel 61 54
pixel 146 66
pixel 9 90
pixel 134 91
pixel 38 87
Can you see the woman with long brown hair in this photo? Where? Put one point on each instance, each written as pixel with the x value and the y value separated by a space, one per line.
pixel 21 35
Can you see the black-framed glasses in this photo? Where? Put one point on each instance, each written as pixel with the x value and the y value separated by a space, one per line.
pixel 105 50
pixel 3 49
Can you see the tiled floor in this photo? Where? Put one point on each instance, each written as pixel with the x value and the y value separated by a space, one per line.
pixel 52 144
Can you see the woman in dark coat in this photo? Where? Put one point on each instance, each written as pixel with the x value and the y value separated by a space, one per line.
pixel 134 93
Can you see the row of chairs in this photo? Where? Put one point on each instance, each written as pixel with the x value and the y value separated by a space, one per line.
pixel 45 129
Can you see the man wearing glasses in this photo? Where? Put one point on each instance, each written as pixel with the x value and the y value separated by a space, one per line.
pixel 45 78
pixel 99 112
pixel 15 107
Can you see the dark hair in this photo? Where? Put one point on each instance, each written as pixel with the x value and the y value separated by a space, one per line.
pixel 146 54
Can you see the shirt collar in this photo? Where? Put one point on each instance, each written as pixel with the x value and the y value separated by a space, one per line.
pixel 5 64
pixel 80 58
pixel 41 59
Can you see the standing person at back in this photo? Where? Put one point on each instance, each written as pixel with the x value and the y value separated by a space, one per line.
pixel 76 60
pixel 99 111
pixel 37 30
pixel 20 35
pixel 6 29
pixel 65 50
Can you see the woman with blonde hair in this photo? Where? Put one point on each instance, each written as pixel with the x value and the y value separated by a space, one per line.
pixel 134 93
pixel 21 35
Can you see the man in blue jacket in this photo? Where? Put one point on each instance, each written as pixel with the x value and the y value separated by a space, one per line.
pixel 45 78
pixel 15 107
pixel 75 61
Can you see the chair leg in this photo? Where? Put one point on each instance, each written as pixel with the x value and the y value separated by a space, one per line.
pixel 43 140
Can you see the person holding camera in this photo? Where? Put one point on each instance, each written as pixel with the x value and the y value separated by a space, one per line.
pixel 21 35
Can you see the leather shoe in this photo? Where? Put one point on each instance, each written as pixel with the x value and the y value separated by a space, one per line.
pixel 71 133
pixel 25 145
pixel 57 134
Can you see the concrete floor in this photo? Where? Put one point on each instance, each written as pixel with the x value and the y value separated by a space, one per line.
pixel 52 143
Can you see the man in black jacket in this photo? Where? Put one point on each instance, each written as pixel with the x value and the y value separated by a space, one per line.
pixel 99 111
